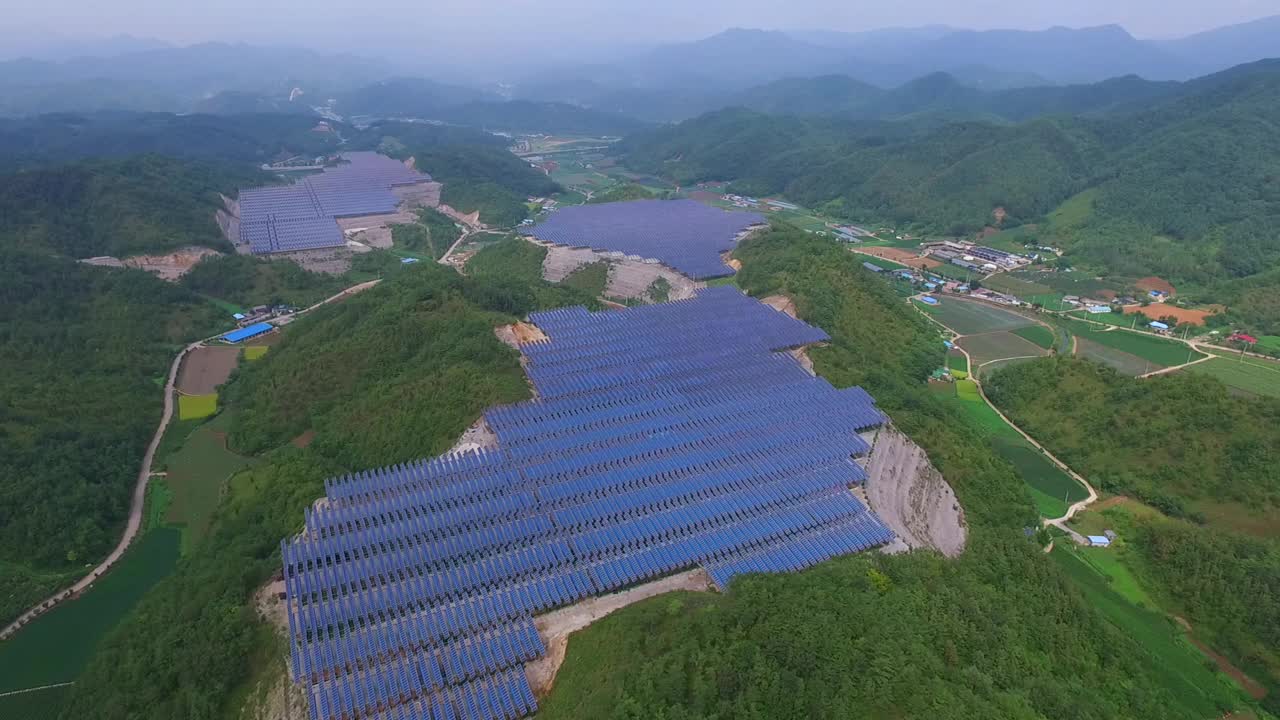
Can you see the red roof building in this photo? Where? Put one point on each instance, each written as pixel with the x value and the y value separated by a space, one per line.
pixel 1241 337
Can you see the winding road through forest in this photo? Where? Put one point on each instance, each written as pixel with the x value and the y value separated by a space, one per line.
pixel 138 503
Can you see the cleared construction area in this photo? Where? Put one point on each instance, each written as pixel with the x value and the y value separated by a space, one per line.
pixel 629 278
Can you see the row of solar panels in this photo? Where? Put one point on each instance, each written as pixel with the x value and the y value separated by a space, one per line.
pixel 714 499
pixel 302 216
pixel 504 696
pixel 712 461
pixel 683 234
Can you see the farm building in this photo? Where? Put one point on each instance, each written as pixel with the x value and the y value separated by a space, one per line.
pixel 1099 540
pixel 245 333
pixel 929 300
pixel 1158 326
pixel 1098 309
pixel 413 587
pixel 872 267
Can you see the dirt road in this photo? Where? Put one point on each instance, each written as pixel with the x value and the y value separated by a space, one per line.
pixel 1060 522
pixel 138 502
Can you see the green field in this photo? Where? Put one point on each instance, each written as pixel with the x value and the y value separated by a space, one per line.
pixel 1186 669
pixel 590 278
pixel 1038 334
pixel 194 407
pixel 196 476
pixel 989 347
pixel 1155 350
pixel 888 265
pixel 255 352
pixel 970 318
pixel 957 361
pixel 1270 342
pixel 1050 487
pixel 1252 375
pixel 55 647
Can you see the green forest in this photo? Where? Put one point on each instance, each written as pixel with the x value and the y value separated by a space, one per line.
pixel 135 205
pixel 1184 187
pixel 490 180
pixel 1181 444
pixel 85 352
pixel 1172 441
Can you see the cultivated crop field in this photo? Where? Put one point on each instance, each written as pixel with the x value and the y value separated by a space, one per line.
pixel 1037 334
pixel 971 318
pixel 205 368
pixel 1253 375
pixel 196 475
pixel 990 347
pixel 1051 488
pixel 1186 672
pixel 1156 351
pixel 193 407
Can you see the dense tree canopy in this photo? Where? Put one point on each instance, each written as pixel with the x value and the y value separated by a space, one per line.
pixel 118 207
pixel 1171 440
pixel 1187 188
pixel 83 348
pixel 487 179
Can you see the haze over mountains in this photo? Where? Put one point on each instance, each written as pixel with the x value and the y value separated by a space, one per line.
pixel 807 72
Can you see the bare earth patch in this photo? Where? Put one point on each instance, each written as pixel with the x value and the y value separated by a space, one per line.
pixel 781 303
pixel 169 266
pixel 555 627
pixel 1155 311
pixel 205 368
pixel 900 256
pixel 912 497
pixel 304 440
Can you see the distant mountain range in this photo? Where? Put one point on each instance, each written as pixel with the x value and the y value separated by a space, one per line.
pixel 176 79
pixel 676 81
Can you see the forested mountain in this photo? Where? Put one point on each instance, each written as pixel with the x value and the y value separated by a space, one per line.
pixel 55 139
pixel 682 80
pixel 117 207
pixel 1185 187
pixel 941 98
pixel 490 180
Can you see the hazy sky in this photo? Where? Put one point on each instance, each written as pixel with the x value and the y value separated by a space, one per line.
pixel 367 26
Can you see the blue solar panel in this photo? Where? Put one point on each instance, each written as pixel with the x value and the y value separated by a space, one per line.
pixel 302 216
pixel 683 234
pixel 664 438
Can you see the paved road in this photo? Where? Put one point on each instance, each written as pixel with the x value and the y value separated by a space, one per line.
pixel 138 503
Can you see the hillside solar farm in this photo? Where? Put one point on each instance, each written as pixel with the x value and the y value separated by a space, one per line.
pixel 685 235
pixel 663 438
pixel 303 216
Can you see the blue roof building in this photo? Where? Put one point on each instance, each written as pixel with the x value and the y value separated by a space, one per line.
pixel 1159 325
pixel 929 300
pixel 245 333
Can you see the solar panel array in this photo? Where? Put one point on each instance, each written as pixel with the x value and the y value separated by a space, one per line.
pixel 663 438
pixel 683 234
pixel 302 216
